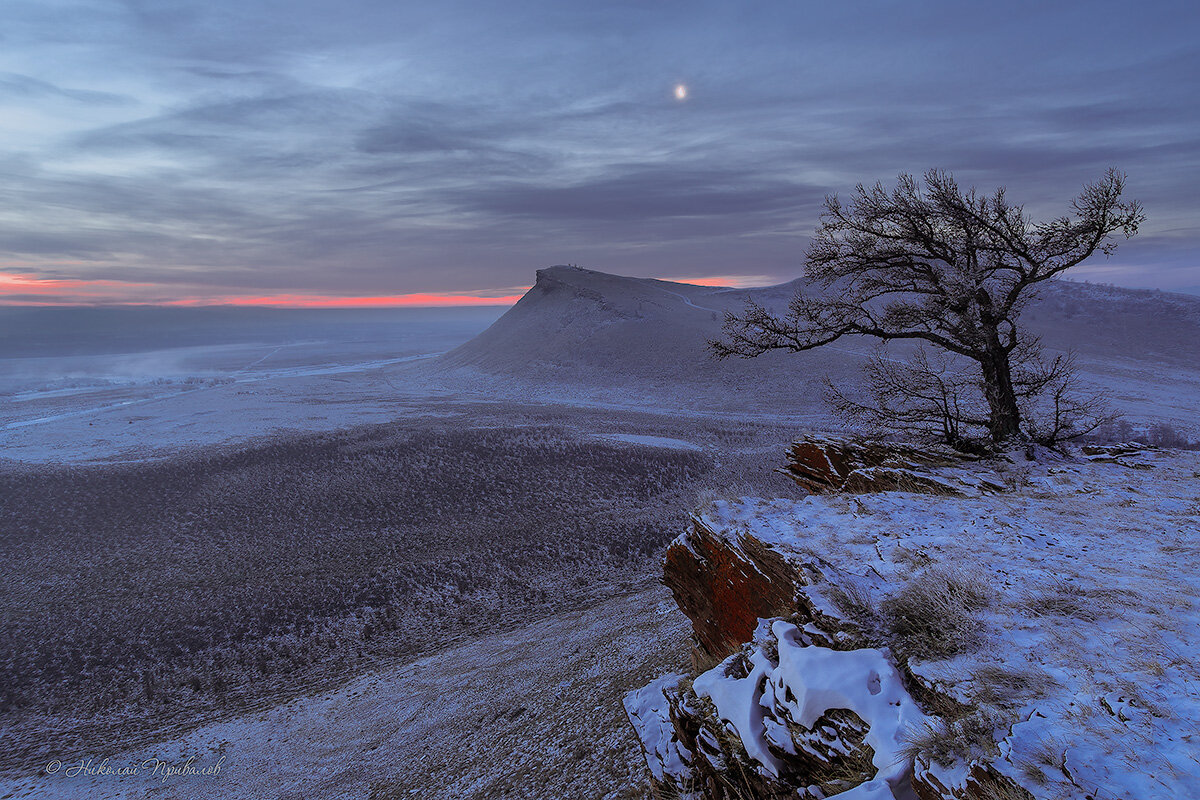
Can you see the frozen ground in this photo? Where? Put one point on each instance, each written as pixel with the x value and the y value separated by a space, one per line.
pixel 532 713
pixel 1076 648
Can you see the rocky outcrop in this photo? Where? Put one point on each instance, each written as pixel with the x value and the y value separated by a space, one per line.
pixel 793 707
pixel 726 583
pixel 1126 455
pixel 824 465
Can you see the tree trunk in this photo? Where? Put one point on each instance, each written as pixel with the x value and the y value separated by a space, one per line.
pixel 1004 418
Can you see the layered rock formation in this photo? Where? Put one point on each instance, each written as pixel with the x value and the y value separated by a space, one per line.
pixel 824 465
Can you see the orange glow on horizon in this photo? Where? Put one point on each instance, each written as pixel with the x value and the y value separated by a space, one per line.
pixel 378 301
pixel 730 281
pixel 33 291
pixel 26 283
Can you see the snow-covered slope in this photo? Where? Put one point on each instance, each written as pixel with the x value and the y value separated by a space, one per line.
pixel 1046 625
pixel 626 338
pixel 581 328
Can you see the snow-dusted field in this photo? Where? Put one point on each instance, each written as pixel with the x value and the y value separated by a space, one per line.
pixel 152 395
pixel 534 712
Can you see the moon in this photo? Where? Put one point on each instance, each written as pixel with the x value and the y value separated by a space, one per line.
pixel 681 92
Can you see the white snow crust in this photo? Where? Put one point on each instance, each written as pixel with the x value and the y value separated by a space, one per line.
pixel 806 682
pixel 650 713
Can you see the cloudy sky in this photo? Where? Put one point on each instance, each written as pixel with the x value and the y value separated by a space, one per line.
pixel 312 151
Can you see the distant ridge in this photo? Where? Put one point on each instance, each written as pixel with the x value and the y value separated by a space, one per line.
pixel 582 328
pixel 589 324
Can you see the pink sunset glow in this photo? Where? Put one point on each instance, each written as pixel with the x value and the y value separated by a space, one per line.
pixel 23 289
pixel 27 290
pixel 731 281
pixel 377 301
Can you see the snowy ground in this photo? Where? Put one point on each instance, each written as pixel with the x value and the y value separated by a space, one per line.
pixel 152 402
pixel 534 712
pixel 1079 648
pixel 137 406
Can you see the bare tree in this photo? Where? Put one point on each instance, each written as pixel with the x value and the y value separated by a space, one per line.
pixel 947 268
pixel 1054 408
pixel 937 393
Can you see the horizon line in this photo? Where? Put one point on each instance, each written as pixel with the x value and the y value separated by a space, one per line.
pixel 19 290
pixel 26 291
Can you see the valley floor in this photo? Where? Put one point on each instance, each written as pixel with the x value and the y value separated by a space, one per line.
pixel 273 488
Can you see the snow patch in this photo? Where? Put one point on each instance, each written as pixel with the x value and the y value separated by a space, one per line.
pixel 649 711
pixel 805 683
pixel 649 441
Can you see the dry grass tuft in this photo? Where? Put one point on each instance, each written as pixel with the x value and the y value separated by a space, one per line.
pixel 857 604
pixel 1062 599
pixel 947 742
pixel 935 615
pixel 1004 687
pixel 1002 788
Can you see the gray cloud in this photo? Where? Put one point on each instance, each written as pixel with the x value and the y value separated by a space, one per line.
pixel 640 192
pixel 14 86
pixel 383 147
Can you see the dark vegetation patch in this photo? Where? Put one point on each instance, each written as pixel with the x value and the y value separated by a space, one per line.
pixel 141 596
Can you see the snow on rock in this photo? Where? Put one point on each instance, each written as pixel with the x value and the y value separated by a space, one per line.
pixel 649 709
pixel 1044 634
pixel 801 685
pixel 823 464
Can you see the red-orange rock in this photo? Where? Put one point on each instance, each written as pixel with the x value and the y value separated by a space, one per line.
pixel 724 587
